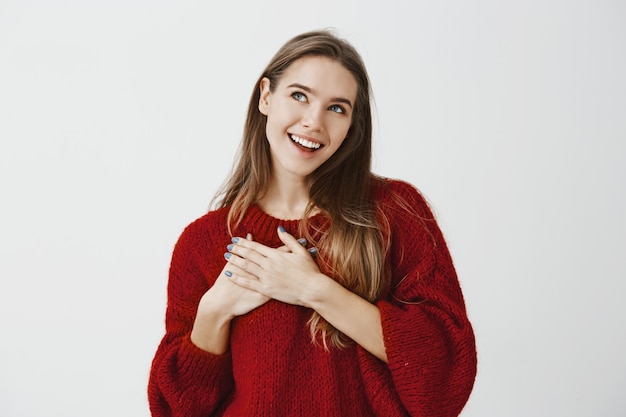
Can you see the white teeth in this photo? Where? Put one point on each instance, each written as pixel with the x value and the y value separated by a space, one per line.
pixel 304 142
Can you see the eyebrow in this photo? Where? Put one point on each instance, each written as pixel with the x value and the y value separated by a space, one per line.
pixel 308 90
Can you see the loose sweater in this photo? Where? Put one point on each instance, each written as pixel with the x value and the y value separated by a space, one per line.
pixel 272 367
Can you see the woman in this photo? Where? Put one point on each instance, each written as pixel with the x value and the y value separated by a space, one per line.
pixel 315 288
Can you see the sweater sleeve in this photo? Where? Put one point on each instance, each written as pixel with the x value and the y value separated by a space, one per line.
pixel 428 338
pixel 185 380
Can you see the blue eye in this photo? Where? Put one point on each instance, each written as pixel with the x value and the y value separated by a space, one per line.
pixel 336 109
pixel 299 96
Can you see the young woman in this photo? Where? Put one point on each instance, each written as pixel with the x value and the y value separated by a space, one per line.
pixel 315 288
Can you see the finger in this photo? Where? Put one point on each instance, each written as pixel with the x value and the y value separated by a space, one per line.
pixel 243 263
pixel 313 251
pixel 301 241
pixel 242 278
pixel 251 245
pixel 289 241
pixel 247 253
pixel 233 269
pixel 283 249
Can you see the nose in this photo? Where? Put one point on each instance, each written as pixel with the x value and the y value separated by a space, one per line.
pixel 313 118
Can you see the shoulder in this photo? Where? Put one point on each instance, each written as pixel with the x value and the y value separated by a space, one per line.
pixel 417 243
pixel 199 232
pixel 406 215
pixel 394 195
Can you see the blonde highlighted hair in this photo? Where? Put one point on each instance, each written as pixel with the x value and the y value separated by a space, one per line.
pixel 353 248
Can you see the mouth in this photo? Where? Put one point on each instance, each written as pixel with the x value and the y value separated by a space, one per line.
pixel 305 143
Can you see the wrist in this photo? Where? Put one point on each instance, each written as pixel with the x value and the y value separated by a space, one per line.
pixel 214 306
pixel 319 290
pixel 211 328
pixel 211 335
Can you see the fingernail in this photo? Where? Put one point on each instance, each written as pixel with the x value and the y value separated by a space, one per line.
pixel 230 247
pixel 227 255
pixel 235 239
pixel 249 236
pixel 302 241
pixel 228 273
pixel 281 229
pixel 313 251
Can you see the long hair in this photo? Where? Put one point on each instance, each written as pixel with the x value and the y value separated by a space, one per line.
pixel 354 246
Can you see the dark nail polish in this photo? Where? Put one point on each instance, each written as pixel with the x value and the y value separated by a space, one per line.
pixel 230 247
pixel 227 255
pixel 235 239
pixel 281 228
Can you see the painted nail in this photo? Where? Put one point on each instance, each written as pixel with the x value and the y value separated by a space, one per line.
pixel 235 239
pixel 228 273
pixel 302 241
pixel 227 255
pixel 313 251
pixel 230 247
pixel 281 228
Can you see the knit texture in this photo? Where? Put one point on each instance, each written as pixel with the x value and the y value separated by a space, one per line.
pixel 273 369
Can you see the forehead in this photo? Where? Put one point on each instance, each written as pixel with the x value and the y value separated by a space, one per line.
pixel 323 75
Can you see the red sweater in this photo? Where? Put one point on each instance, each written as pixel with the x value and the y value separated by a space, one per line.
pixel 273 369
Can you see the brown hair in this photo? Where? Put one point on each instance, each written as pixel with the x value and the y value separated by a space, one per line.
pixel 354 246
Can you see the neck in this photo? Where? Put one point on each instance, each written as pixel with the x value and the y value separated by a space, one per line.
pixel 286 198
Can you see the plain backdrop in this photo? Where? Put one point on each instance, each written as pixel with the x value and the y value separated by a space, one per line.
pixel 119 120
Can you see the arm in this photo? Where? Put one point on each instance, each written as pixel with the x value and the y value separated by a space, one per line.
pixel 428 338
pixel 420 329
pixel 354 316
pixel 293 277
pixel 218 306
pixel 186 380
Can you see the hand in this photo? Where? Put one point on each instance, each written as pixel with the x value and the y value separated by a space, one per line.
pixel 288 274
pixel 230 299
pixel 218 306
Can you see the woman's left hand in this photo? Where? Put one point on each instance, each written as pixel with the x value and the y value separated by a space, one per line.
pixel 288 274
pixel 291 275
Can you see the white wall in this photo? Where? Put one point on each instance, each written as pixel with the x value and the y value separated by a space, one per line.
pixel 119 119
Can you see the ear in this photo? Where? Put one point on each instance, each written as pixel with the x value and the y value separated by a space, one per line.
pixel 264 102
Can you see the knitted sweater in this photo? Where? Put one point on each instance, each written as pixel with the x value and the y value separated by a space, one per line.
pixel 273 369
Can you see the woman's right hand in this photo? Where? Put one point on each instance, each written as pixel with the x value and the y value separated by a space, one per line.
pixel 229 300
pixel 224 301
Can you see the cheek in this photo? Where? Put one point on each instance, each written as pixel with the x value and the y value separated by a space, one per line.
pixel 343 134
pixel 274 124
pixel 337 144
pixel 340 132
pixel 281 118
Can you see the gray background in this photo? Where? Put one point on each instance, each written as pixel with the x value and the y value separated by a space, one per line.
pixel 119 119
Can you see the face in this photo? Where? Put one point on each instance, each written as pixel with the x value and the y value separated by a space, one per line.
pixel 308 114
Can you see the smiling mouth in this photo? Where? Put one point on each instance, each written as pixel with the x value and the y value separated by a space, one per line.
pixel 304 143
